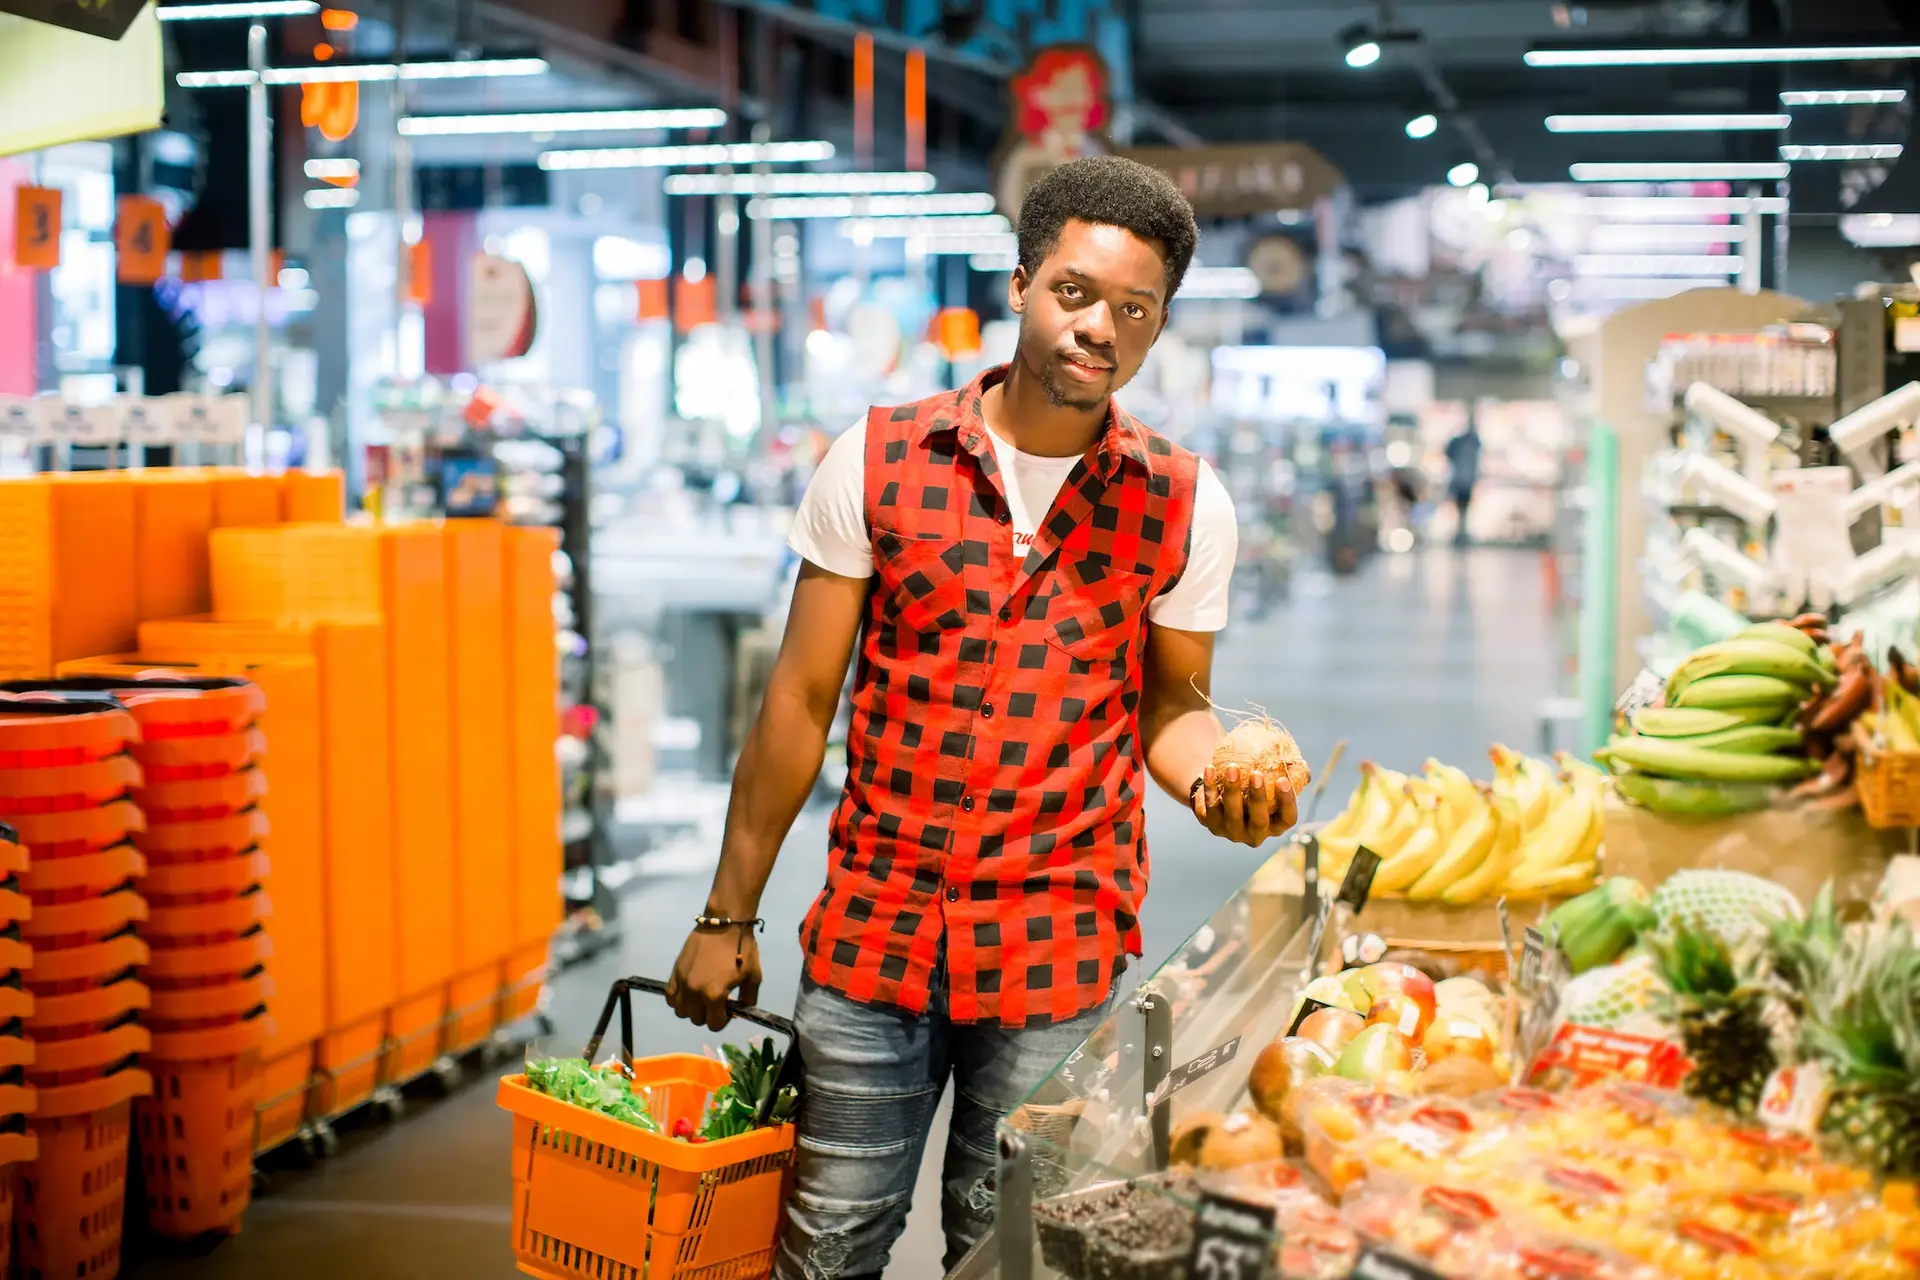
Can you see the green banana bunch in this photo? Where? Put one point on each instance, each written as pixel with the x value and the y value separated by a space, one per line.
pixel 1679 798
pixel 1676 758
pixel 1752 656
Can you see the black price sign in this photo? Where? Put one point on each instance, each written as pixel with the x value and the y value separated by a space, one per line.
pixel 1533 952
pixel 1232 1240
pixel 1359 880
pixel 1307 1006
pixel 1186 1073
pixel 1309 875
pixel 1377 1264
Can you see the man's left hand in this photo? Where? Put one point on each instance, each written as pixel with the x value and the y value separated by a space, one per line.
pixel 1247 808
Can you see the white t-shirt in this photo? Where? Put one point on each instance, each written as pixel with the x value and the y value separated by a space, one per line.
pixel 831 526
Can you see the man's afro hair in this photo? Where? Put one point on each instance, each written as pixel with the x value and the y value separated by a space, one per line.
pixel 1111 191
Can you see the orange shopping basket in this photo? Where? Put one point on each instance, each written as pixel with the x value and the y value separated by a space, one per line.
pixel 595 1198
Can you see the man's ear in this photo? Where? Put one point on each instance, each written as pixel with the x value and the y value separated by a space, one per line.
pixel 1017 285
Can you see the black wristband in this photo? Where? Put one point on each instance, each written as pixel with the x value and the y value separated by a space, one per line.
pixel 727 922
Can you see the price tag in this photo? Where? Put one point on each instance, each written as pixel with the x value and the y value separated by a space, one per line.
pixel 1641 692
pixel 1378 1264
pixel 214 420
pixel 1232 1240
pixel 1506 933
pixel 100 424
pixel 1307 1006
pixel 1185 1074
pixel 145 420
pixel 19 419
pixel 62 420
pixel 141 239
pixel 1359 880
pixel 1795 1098
pixel 1309 874
pixel 36 227
pixel 1532 952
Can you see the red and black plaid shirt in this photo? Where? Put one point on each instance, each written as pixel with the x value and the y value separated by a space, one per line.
pixel 994 793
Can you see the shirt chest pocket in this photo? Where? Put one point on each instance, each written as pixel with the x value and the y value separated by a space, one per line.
pixel 1098 614
pixel 925 578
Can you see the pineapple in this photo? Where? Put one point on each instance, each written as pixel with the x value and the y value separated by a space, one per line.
pixel 1861 1021
pixel 1717 995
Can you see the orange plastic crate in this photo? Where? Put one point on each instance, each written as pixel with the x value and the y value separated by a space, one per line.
pixel 56 1020
pixel 309 497
pixel 533 707
pixel 59 969
pixel 522 977
pixel 296 573
pixel 207 922
pixel 72 1194
pixel 196 799
pixel 63 787
pixel 185 884
pixel 208 840
pixel 14 907
pixel 286 1097
pixel 243 500
pixel 67 570
pixel 15 1003
pixel 290 720
pixel 77 831
pixel 184 968
pixel 593 1197
pixel 211 1006
pixel 15 1051
pixel 413 559
pixel 473 1001
pixel 172 516
pixel 347 1066
pixel 40 732
pixel 205 1043
pixel 62 1062
pixel 55 880
pixel 196 1143
pixel 413 1036
pixel 211 756
pixel 483 774
pixel 59 926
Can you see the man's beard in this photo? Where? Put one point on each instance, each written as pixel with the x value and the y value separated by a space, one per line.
pixel 1063 396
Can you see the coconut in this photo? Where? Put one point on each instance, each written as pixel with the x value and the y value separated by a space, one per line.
pixel 1190 1135
pixel 1243 1138
pixel 1260 745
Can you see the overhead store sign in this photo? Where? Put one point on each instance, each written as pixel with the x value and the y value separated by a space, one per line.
pixel 57 85
pixel 1244 178
pixel 500 310
pixel 106 19
pixel 997 29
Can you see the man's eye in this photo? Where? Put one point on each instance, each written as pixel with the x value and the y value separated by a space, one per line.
pixel 1069 290
pixel 1136 311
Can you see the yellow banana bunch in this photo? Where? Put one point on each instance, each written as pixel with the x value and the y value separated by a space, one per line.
pixel 1457 792
pixel 1529 782
pixel 1427 852
pixel 1569 838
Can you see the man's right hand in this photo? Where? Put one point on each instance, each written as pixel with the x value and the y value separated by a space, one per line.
pixel 712 964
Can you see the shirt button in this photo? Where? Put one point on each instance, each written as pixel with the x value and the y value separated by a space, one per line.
pixel 986 710
pixel 1005 518
pixel 1006 613
pixel 953 894
pixel 967 804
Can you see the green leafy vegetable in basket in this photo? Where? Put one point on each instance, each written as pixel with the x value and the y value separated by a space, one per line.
pixel 748 1100
pixel 608 1092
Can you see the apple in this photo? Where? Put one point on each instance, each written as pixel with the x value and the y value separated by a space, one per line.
pixel 1376 1053
pixel 1280 1069
pixel 1453 1036
pixel 1327 990
pixel 1331 1029
pixel 1401 1011
pixel 1371 982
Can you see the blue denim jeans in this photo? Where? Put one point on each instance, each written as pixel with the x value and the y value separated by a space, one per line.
pixel 874 1079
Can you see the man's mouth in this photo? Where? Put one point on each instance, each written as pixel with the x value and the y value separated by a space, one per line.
pixel 1086 368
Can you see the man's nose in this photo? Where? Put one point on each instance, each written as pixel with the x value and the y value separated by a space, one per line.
pixel 1096 325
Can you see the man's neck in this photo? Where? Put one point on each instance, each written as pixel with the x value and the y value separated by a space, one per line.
pixel 1019 411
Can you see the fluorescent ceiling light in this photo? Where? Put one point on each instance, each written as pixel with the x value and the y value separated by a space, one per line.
pixel 333 198
pixel 341 73
pixel 954 202
pixel 1624 289
pixel 685 156
pixel 798 184
pixel 1715 123
pixel 1219 282
pixel 1637 236
pixel 563 121
pixel 900 228
pixel 1720 54
pixel 1681 171
pixel 1845 151
pixel 335 169
pixel 1364 54
pixel 993 262
pixel 1654 207
pixel 965 244
pixel 1881 230
pixel 1422 126
pixel 1842 97
pixel 1656 264
pixel 248 9
pixel 1464 174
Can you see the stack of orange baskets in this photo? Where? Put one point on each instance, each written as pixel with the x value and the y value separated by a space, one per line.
pixel 17 1100
pixel 64 777
pixel 206 913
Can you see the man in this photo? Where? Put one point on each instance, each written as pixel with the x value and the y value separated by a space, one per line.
pixel 1034 580
pixel 1463 463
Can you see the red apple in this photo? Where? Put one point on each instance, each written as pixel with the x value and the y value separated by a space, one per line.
pixel 1453 1036
pixel 1401 1011
pixel 1331 1029
pixel 1370 982
pixel 1375 1054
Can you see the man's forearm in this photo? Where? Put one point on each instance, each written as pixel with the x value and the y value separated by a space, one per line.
pixel 1180 745
pixel 771 782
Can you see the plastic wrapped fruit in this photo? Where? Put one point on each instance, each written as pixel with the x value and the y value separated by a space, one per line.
pixel 1846 1239
pixel 1316 1244
pixel 1335 1116
pixel 1695 1251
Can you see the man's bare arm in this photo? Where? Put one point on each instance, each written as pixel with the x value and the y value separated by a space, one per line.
pixel 775 773
pixel 1179 731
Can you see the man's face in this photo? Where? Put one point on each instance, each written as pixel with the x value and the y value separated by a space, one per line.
pixel 1091 312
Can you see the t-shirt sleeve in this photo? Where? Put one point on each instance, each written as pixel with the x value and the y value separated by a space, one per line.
pixel 830 529
pixel 1198 602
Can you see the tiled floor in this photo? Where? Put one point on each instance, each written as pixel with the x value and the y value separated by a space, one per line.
pixel 1436 653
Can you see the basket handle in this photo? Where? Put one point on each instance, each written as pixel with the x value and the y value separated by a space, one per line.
pixel 792 1071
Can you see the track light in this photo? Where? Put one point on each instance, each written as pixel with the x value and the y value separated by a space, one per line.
pixel 1842 97
pixel 1844 151
pixel 1710 123
pixel 1719 54
pixel 1422 126
pixel 249 9
pixel 1361 45
pixel 1681 171
pixel 1464 174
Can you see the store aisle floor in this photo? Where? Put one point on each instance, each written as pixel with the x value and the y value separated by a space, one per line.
pixel 1436 653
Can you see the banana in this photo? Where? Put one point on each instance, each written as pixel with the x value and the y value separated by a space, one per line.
pixel 1745 739
pixel 1499 862
pixel 1467 849
pixel 1747 658
pixel 1683 798
pixel 1683 722
pixel 1666 758
pixel 1579 771
pixel 1779 633
pixel 1766 697
pixel 1422 849
pixel 1557 841
pixel 1456 789
pixel 1530 782
pixel 1416 813
pixel 1568 879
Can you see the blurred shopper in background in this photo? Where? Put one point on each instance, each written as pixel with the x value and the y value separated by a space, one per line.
pixel 1463 461
pixel 997 553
